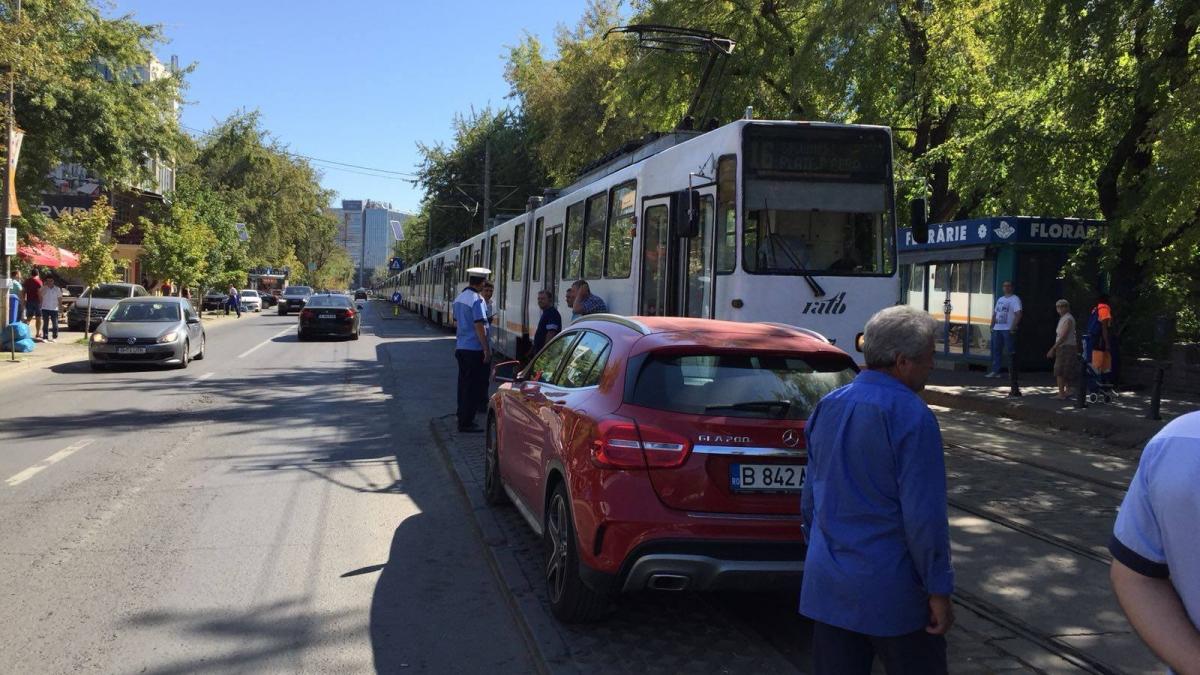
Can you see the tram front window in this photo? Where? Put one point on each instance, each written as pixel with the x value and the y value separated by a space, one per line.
pixel 796 227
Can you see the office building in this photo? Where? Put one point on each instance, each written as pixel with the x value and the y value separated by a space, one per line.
pixel 367 230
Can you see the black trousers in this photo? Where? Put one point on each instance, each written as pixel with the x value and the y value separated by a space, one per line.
pixel 472 384
pixel 837 651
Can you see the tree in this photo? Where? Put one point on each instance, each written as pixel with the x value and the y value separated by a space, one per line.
pixel 179 248
pixel 87 234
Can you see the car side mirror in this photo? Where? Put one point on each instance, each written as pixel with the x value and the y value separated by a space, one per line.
pixel 918 220
pixel 506 371
pixel 193 319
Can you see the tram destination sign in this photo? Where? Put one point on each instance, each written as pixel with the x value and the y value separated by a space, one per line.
pixel 817 152
pixel 1002 230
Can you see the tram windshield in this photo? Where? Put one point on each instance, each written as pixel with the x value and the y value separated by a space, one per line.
pixel 817 201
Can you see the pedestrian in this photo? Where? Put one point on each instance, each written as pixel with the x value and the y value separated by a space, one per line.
pixel 1156 553
pixel 471 348
pixel 1005 318
pixel 1064 351
pixel 234 301
pixel 50 300
pixel 489 310
pixel 585 301
pixel 549 324
pixel 877 577
pixel 571 302
pixel 166 288
pixel 33 302
pixel 1101 338
pixel 14 289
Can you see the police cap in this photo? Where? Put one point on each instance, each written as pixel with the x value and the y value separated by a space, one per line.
pixel 478 272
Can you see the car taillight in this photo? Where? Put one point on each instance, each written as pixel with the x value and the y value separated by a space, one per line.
pixel 307 314
pixel 626 445
pixel 349 314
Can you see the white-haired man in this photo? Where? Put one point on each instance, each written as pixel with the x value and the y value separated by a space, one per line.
pixel 877 577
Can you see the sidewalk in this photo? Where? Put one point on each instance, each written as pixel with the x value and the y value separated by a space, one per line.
pixel 1122 423
pixel 44 355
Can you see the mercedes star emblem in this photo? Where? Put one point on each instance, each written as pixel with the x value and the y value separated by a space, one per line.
pixel 791 438
pixel 132 341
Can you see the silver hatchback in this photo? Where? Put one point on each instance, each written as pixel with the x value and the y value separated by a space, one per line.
pixel 149 330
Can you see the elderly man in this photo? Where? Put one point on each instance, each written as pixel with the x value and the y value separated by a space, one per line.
pixel 585 302
pixel 877 578
pixel 471 348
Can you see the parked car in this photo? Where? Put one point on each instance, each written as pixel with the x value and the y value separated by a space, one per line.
pixel 328 315
pixel 660 453
pixel 148 330
pixel 268 299
pixel 94 303
pixel 293 299
pixel 360 294
pixel 214 300
pixel 250 300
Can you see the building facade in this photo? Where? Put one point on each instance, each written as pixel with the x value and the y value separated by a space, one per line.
pixel 367 230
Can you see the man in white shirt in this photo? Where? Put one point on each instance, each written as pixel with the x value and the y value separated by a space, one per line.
pixel 1005 318
pixel 51 298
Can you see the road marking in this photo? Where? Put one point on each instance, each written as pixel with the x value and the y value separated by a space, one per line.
pixel 52 459
pixel 255 348
pixel 203 378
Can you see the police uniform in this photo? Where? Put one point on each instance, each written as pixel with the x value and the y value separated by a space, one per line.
pixel 469 310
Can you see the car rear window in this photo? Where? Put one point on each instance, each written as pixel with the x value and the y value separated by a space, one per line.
pixel 328 301
pixel 298 290
pixel 739 385
pixel 108 292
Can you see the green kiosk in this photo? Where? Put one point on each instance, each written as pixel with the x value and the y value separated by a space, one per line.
pixel 956 277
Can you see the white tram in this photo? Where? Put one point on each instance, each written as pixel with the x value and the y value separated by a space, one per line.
pixel 796 219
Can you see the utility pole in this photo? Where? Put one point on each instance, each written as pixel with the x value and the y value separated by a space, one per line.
pixel 10 113
pixel 487 200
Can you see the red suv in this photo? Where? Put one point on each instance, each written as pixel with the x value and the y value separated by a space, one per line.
pixel 660 453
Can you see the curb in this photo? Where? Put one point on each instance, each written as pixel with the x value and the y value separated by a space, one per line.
pixel 9 369
pixel 505 568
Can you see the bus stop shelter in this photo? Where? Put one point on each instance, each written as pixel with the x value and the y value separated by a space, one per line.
pixel 956 277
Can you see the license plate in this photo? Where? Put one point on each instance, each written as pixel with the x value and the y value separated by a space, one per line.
pixel 326 316
pixel 131 350
pixel 767 477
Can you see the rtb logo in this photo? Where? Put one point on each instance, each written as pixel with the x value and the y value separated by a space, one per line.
pixel 834 305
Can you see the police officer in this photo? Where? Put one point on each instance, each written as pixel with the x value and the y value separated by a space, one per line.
pixel 471 348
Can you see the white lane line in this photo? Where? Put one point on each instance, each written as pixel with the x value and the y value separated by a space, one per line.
pixel 203 378
pixel 52 459
pixel 264 343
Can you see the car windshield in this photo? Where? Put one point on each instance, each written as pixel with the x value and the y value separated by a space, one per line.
pixel 298 290
pixel 249 294
pixel 739 385
pixel 331 301
pixel 107 292
pixel 144 311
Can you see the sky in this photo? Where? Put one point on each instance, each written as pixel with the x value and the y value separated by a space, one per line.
pixel 356 81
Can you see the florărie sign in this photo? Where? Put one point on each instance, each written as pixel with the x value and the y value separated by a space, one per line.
pixel 1002 230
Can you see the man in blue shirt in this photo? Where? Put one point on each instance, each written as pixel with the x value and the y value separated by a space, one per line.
pixel 877 577
pixel 1156 553
pixel 549 325
pixel 471 348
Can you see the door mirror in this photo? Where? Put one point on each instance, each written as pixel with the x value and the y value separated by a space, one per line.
pixel 506 371
pixel 192 319
pixel 918 220
pixel 687 214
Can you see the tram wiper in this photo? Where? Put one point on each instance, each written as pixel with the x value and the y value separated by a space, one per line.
pixel 767 406
pixel 817 290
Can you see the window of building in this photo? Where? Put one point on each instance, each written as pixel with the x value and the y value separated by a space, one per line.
pixel 620 232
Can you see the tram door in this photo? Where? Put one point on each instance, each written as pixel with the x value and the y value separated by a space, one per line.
pixel 553 250
pixel 655 297
pixel 696 253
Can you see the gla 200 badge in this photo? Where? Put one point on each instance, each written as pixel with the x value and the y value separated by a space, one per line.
pixel 706 438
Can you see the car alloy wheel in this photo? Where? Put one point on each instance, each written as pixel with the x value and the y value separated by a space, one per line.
pixel 493 489
pixel 203 345
pixel 187 355
pixel 571 600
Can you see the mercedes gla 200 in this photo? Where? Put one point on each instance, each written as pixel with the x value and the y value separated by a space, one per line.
pixel 660 453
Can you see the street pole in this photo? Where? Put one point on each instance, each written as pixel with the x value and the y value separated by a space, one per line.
pixel 5 211
pixel 487 200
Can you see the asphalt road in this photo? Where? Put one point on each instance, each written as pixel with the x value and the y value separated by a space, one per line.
pixel 276 507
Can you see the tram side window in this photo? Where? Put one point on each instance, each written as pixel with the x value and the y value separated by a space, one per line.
pixel 573 252
pixel 518 260
pixel 726 213
pixel 620 232
pixel 537 249
pixel 593 236
pixel 492 254
pixel 502 277
pixel 464 254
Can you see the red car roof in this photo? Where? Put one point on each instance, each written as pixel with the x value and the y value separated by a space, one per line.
pixel 671 331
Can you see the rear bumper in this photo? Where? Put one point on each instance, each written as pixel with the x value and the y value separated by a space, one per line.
pixel 705 566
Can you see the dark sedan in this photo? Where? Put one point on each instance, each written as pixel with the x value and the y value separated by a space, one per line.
pixel 293 299
pixel 328 315
pixel 214 300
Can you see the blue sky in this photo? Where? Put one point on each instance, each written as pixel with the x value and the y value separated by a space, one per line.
pixel 355 81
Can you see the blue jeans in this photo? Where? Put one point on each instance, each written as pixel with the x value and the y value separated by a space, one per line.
pixel 837 651
pixel 1002 345
pixel 49 321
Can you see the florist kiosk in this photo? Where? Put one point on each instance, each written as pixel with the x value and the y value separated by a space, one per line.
pixel 956 277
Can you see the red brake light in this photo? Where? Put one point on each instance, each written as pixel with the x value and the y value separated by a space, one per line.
pixel 349 314
pixel 627 445
pixel 306 313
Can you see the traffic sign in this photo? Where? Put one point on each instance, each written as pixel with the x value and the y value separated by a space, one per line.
pixel 396 265
pixel 10 241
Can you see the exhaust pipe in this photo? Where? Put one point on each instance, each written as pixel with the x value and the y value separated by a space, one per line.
pixel 667 582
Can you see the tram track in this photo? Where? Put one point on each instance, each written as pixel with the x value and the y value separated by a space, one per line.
pixel 1043 466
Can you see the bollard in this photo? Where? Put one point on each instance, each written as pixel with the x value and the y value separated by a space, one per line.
pixel 1014 390
pixel 1156 396
pixel 12 341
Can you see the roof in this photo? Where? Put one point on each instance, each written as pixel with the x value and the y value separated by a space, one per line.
pixel 682 331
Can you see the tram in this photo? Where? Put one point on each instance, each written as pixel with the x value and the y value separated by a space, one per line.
pixel 775 221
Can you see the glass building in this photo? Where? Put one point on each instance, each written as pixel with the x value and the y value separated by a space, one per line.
pixel 367 230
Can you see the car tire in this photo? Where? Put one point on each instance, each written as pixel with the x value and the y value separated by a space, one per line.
pixel 354 336
pixel 282 312
pixel 203 346
pixel 493 488
pixel 187 355
pixel 571 600
pixel 300 336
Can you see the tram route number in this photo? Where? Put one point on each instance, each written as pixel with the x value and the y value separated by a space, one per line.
pixel 767 477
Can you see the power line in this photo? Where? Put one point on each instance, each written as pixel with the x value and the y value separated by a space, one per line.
pixel 326 161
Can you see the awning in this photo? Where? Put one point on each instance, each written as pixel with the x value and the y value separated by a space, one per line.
pixel 943 255
pixel 44 255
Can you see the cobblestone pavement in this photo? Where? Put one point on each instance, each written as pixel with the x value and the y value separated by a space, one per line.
pixel 668 633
